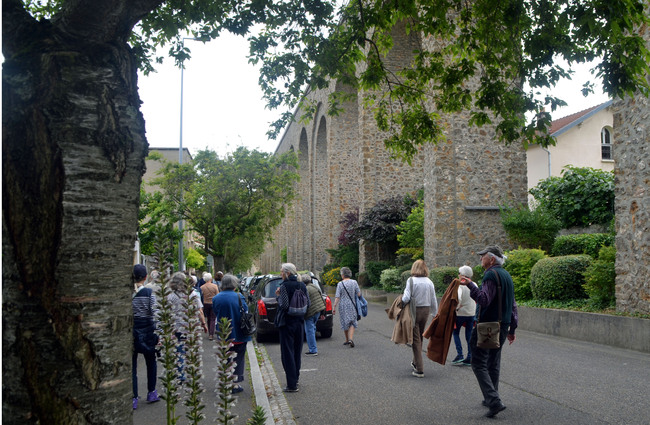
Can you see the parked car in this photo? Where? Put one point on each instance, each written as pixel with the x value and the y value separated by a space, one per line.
pixel 265 305
pixel 248 285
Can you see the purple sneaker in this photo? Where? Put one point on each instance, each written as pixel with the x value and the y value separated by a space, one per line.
pixel 152 397
pixel 135 403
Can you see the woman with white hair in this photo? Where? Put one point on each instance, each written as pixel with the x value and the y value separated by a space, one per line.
pixel 465 312
pixel 347 292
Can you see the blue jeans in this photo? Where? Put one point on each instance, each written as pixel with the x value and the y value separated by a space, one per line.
pixel 468 321
pixel 310 332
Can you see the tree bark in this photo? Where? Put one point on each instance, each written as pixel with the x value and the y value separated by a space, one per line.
pixel 73 157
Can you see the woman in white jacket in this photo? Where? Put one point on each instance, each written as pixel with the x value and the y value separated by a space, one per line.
pixel 465 312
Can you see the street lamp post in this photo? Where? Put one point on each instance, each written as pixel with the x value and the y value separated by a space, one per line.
pixel 181 262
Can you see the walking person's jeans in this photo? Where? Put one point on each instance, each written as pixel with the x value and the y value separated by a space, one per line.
pixel 468 321
pixel 150 360
pixel 310 332
pixel 486 365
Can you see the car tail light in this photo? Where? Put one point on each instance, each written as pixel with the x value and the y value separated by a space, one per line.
pixel 328 303
pixel 252 291
pixel 261 308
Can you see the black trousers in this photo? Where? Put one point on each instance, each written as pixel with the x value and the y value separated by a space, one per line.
pixel 486 365
pixel 291 339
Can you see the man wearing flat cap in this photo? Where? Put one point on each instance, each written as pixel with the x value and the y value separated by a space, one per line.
pixel 486 363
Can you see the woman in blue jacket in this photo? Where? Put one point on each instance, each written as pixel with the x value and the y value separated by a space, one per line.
pixel 226 304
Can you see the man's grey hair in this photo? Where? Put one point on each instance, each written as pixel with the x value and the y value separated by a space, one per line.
pixel 305 278
pixel 178 282
pixel 346 272
pixel 228 281
pixel 498 260
pixel 207 277
pixel 289 269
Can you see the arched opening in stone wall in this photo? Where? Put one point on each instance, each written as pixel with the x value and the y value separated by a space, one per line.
pixel 320 192
pixel 302 230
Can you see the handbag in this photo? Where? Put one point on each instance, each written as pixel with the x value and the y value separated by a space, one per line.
pixel 362 306
pixel 246 321
pixel 488 333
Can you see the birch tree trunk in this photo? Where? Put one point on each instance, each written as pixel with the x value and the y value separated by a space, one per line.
pixel 72 160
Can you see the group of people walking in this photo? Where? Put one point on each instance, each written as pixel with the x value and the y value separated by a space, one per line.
pixel 211 302
pixel 492 301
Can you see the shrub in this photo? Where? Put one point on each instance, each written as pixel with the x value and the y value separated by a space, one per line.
pixel 363 280
pixel 584 243
pixel 404 276
pixel 390 279
pixel 346 256
pixel 559 278
pixel 478 273
pixel 332 277
pixel 581 197
pixel 530 229
pixel 410 233
pixel 328 267
pixel 374 269
pixel 519 264
pixel 600 278
pixel 442 277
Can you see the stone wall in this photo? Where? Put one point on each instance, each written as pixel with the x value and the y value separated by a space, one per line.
pixel 631 150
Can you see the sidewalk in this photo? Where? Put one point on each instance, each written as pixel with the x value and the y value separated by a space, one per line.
pixel 261 387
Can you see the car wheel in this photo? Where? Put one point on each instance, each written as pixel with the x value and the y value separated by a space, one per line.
pixel 326 333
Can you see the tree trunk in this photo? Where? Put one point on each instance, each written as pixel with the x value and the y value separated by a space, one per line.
pixel 73 158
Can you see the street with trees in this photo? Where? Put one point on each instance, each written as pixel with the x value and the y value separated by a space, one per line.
pixel 74 139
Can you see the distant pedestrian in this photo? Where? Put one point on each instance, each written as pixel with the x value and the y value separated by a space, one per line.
pixel 421 295
pixel 486 363
pixel 209 289
pixel 217 278
pixel 347 292
pixel 291 328
pixel 226 304
pixel 144 334
pixel 316 311
pixel 179 301
pixel 465 316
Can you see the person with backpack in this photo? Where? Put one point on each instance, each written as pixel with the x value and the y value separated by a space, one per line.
pixel 293 303
pixel 315 312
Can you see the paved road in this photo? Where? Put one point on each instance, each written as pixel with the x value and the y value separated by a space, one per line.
pixel 544 380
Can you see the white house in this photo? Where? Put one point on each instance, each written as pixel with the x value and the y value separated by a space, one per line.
pixel 584 139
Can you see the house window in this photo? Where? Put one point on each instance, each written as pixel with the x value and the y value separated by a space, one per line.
pixel 606 143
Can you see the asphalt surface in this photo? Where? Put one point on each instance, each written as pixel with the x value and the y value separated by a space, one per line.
pixel 544 380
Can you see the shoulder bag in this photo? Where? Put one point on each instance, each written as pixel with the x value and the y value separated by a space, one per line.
pixel 488 333
pixel 246 321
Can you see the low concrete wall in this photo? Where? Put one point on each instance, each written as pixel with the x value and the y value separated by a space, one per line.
pixel 618 331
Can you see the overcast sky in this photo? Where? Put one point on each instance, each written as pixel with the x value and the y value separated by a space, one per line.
pixel 222 101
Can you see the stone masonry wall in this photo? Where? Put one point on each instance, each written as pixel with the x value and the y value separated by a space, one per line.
pixel 631 150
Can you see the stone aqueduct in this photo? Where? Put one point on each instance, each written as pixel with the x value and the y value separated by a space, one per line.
pixel 344 165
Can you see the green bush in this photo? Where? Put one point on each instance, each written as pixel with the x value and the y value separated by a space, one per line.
pixel 442 277
pixel 328 267
pixel 581 197
pixel 559 278
pixel 374 269
pixel 478 273
pixel 585 243
pixel 519 264
pixel 530 229
pixel 404 277
pixel 390 279
pixel 332 277
pixel 363 280
pixel 600 279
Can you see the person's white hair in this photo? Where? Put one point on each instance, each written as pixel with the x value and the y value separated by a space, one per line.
pixel 498 260
pixel 466 271
pixel 207 277
pixel 289 268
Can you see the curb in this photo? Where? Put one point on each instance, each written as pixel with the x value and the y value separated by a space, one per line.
pixel 267 390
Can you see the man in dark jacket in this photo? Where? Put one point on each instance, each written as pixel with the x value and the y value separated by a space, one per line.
pixel 291 328
pixel 486 363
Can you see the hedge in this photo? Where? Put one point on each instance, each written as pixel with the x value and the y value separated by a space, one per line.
pixel 442 277
pixel 519 264
pixel 585 243
pixel 559 278
pixel 390 280
pixel 374 269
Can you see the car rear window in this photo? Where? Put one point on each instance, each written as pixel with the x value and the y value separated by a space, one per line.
pixel 270 287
